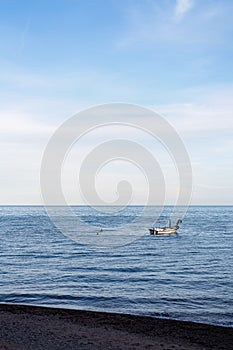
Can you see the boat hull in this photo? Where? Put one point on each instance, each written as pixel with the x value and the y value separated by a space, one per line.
pixel 162 231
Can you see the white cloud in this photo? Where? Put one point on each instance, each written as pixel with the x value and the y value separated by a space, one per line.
pixel 16 124
pixel 215 187
pixel 207 114
pixel 194 118
pixel 182 7
pixel 209 110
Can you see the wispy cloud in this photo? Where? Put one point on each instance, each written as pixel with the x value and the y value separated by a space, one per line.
pixel 161 23
pixel 24 34
pixel 214 187
pixel 193 119
pixel 182 7
pixel 209 110
pixel 16 126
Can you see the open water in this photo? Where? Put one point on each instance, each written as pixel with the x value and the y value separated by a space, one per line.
pixel 186 276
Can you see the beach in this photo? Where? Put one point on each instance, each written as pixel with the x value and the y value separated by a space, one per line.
pixel 32 327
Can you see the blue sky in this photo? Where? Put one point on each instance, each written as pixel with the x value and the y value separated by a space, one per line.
pixel 58 57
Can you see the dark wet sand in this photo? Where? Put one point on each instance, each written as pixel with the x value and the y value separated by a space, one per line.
pixel 32 327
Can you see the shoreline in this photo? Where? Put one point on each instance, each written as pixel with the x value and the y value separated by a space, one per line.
pixel 24 327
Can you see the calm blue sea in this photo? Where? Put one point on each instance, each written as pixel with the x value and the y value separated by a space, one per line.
pixel 186 277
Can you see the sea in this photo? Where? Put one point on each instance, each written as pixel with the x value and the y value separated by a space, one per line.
pixel 188 276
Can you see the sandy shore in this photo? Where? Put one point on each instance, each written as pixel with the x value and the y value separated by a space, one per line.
pixel 32 327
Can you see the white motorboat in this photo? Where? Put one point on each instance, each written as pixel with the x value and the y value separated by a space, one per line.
pixel 164 230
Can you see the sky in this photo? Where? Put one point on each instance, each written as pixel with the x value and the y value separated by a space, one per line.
pixel 60 57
